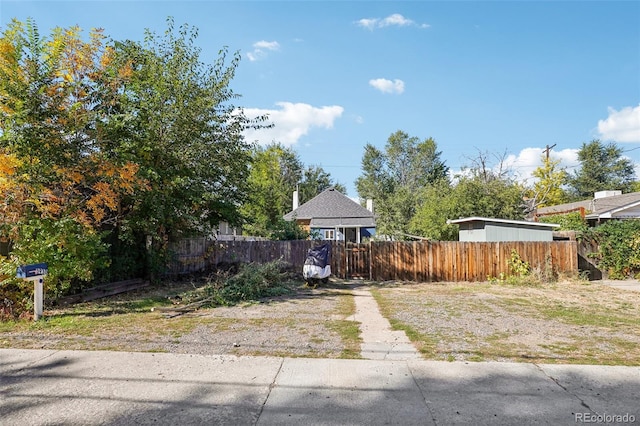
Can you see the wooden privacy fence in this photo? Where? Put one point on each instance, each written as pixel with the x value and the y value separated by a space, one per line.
pixel 422 261
pixel 197 254
pixel 426 261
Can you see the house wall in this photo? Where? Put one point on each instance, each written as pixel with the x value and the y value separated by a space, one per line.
pixel 498 232
pixel 337 235
pixel 487 231
pixel 472 232
pixel 225 229
pixel 305 224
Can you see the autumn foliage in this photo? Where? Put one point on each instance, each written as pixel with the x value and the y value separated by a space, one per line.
pixel 105 145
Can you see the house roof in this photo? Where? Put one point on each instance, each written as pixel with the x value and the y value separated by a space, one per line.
pixel 330 207
pixel 623 205
pixel 330 222
pixel 502 221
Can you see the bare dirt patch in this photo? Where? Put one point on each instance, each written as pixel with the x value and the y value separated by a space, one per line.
pixel 568 322
pixel 310 322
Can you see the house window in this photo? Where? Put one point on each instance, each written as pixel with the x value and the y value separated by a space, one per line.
pixel 329 234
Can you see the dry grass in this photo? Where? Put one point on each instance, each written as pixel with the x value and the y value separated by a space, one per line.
pixel 568 322
pixel 307 323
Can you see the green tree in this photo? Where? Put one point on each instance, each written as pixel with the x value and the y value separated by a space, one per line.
pixel 618 243
pixel 602 167
pixel 394 177
pixel 276 172
pixel 315 180
pixel 109 150
pixel 548 188
pixel 185 133
pixel 498 198
pixel 59 190
pixel 483 190
pixel 430 220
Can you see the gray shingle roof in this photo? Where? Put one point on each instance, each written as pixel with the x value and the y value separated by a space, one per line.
pixel 330 222
pixel 596 207
pixel 604 205
pixel 330 205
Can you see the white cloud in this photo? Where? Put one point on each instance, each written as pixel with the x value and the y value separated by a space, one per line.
pixel 395 19
pixel 621 126
pixel 530 159
pixel 261 49
pixel 291 121
pixel 526 161
pixel 387 86
pixel 369 24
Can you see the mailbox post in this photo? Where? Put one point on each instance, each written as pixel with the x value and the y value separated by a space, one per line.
pixel 35 273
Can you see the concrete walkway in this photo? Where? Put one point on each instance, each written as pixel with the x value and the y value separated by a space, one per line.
pixel 633 285
pixel 378 340
pixel 44 387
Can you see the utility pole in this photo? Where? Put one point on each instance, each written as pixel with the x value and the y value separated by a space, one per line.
pixel 549 148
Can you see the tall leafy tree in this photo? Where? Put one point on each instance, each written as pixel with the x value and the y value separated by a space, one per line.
pixel 58 191
pixel 110 149
pixel 602 167
pixel 276 172
pixel 548 189
pixel 395 176
pixel 184 131
pixel 484 189
pixel 315 180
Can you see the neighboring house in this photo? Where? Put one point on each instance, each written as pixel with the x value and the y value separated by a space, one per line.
pixel 604 205
pixel 333 216
pixel 226 232
pixel 483 229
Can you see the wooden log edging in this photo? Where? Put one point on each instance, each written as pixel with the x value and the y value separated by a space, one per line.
pixel 104 290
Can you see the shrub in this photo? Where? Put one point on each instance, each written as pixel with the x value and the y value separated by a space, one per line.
pixel 521 272
pixel 618 244
pixel 568 222
pixel 16 301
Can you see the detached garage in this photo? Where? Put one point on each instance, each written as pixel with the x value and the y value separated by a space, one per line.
pixel 483 229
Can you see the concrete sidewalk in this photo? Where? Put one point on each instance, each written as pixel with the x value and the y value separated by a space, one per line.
pixel 43 387
pixel 633 285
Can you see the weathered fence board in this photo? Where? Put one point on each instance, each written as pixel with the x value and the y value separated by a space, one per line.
pixel 423 261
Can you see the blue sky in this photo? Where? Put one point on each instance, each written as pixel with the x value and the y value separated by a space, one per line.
pixel 498 77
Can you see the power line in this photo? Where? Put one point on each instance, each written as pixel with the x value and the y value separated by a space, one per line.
pixel 632 149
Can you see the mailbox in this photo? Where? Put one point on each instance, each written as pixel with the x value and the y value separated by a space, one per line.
pixel 35 273
pixel 32 271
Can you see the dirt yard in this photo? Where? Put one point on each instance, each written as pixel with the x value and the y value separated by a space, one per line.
pixel 568 322
pixel 571 322
pixel 309 323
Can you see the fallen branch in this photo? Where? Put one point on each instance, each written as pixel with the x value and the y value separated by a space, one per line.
pixel 180 310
